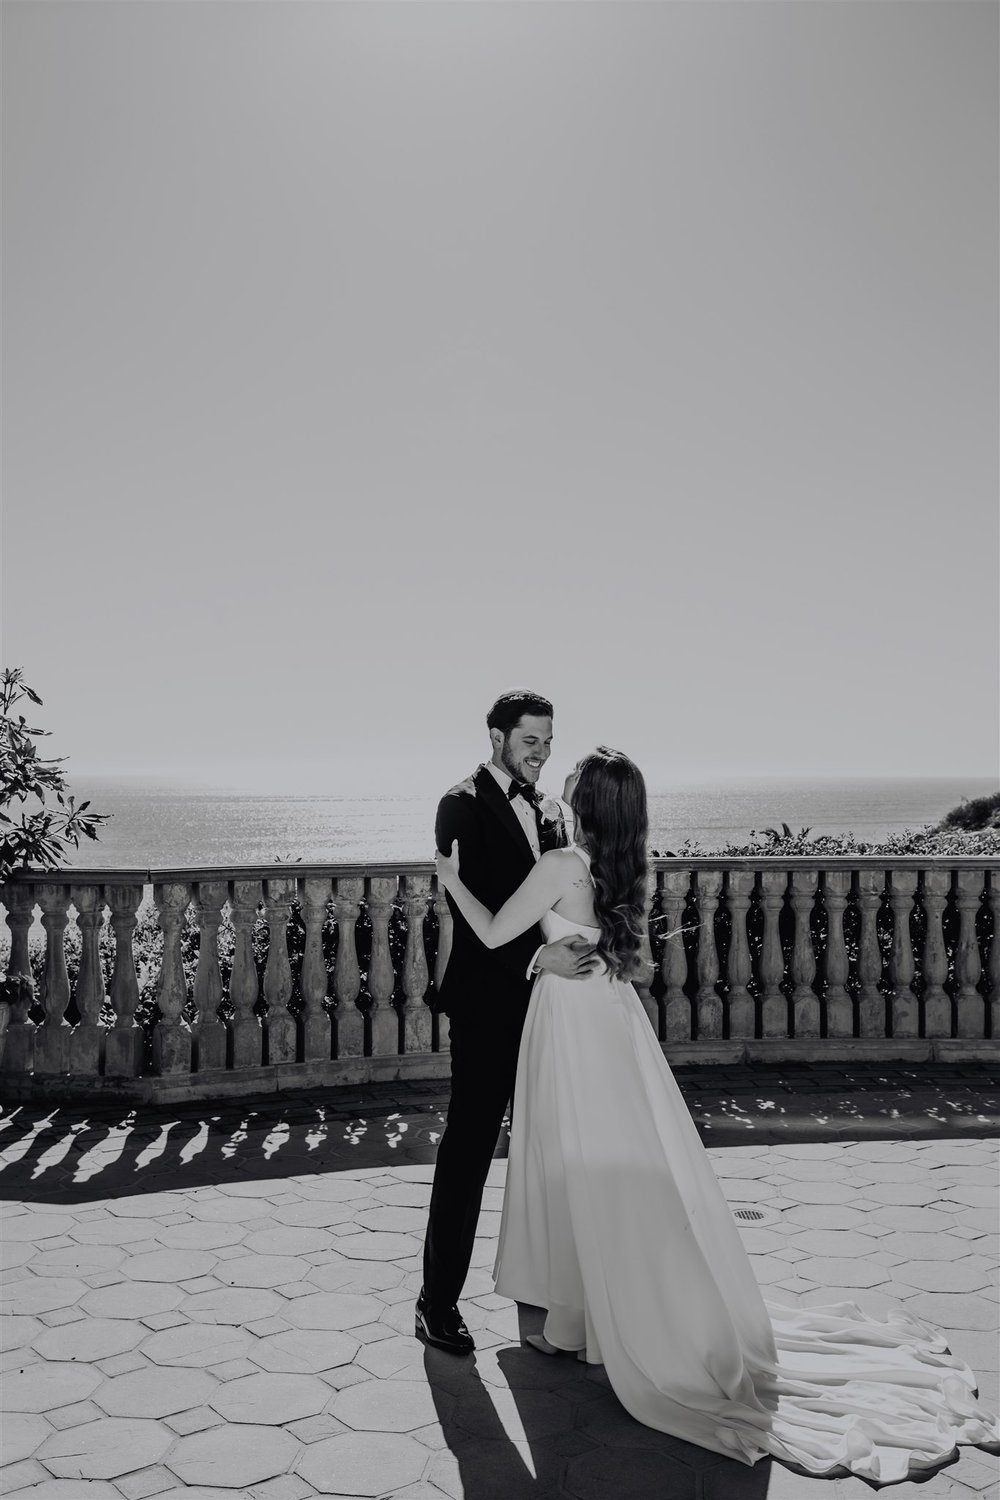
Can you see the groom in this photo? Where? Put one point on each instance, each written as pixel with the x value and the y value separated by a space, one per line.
pixel 501 830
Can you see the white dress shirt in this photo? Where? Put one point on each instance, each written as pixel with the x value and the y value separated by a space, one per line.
pixel 520 806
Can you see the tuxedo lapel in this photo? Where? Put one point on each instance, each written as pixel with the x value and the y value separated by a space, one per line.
pixel 499 805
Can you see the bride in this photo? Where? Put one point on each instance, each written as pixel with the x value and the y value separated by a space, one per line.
pixel 614 1222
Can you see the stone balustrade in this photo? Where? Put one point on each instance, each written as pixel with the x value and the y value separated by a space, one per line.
pixel 290 976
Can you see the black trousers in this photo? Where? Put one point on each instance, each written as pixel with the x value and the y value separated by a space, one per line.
pixel 483 1068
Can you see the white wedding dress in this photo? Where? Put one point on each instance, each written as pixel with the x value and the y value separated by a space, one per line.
pixel 614 1222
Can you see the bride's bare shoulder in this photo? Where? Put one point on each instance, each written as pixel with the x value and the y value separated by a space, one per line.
pixel 567 863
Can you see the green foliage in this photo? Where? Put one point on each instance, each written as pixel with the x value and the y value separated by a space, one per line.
pixel 980 813
pixel 37 838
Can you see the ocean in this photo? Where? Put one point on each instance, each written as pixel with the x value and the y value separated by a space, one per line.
pixel 155 823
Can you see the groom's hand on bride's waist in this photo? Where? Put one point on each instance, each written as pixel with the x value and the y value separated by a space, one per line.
pixel 570 958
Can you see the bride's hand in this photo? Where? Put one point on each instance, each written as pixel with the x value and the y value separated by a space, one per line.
pixel 447 866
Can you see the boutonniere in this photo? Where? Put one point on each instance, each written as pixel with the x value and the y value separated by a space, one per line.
pixel 550 811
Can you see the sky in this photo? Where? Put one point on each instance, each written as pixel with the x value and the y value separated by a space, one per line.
pixel 362 361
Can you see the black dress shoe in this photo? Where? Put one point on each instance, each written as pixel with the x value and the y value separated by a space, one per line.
pixel 444 1328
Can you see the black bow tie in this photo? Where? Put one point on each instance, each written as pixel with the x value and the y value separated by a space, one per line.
pixel 522 789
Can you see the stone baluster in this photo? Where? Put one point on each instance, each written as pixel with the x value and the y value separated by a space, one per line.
pixel 707 885
pixel 678 1010
pixel 993 957
pixel 52 1039
pixel 346 973
pixel 417 1018
pixel 774 1005
pixel 314 899
pixel 739 885
pixel 123 1045
pixel 281 1027
pixel 646 972
pixel 208 1030
pixel 969 1003
pixel 244 985
pixel 836 967
pixel 172 1035
pixel 937 1005
pixel 87 1036
pixel 805 1002
pixel 18 1052
pixel 904 1004
pixel 380 892
pixel 871 1002
pixel 446 928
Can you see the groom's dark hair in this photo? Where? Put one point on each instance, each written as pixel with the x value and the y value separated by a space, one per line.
pixel 510 708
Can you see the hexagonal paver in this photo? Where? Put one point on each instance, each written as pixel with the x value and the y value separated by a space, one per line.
pixel 23 1432
pixel 288 1240
pixel 414 1195
pixel 213 1458
pixel 271 1398
pixel 358 1276
pixel 14 1254
pixel 399 1356
pixel 90 1339
pixel 40 1294
pixel 132 1299
pixel 390 1406
pixel 924 1220
pixel 967 1274
pixel 233 1305
pixel 261 1270
pixel 319 1215
pixel 338 1189
pixel 75 1489
pixel 112 1231
pixel 628 1474
pixel 197 1235
pixel 78 1260
pixel 373 1245
pixel 35 1226
pixel 336 1310
pixel 169 1265
pixel 155 1392
pixel 104 1449
pixel 952 1310
pixel 304 1351
pixel 149 1206
pixel 397 1219
pixel 196 1345
pixel 354 1463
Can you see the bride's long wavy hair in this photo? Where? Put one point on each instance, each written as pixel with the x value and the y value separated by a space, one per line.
pixel 612 820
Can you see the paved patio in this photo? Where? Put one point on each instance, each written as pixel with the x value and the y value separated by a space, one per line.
pixel 212 1302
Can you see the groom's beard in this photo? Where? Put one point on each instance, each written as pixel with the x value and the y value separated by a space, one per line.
pixel 518 769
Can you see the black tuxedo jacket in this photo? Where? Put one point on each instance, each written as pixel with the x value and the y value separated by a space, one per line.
pixel 494 857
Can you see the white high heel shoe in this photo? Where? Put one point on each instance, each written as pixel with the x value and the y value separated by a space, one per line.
pixel 540 1342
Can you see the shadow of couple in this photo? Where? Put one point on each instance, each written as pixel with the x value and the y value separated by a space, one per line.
pixel 517 1425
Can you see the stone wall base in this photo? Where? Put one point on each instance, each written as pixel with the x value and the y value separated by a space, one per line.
pixel 236 1083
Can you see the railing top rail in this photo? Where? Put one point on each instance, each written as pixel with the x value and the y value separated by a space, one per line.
pixel 359 869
